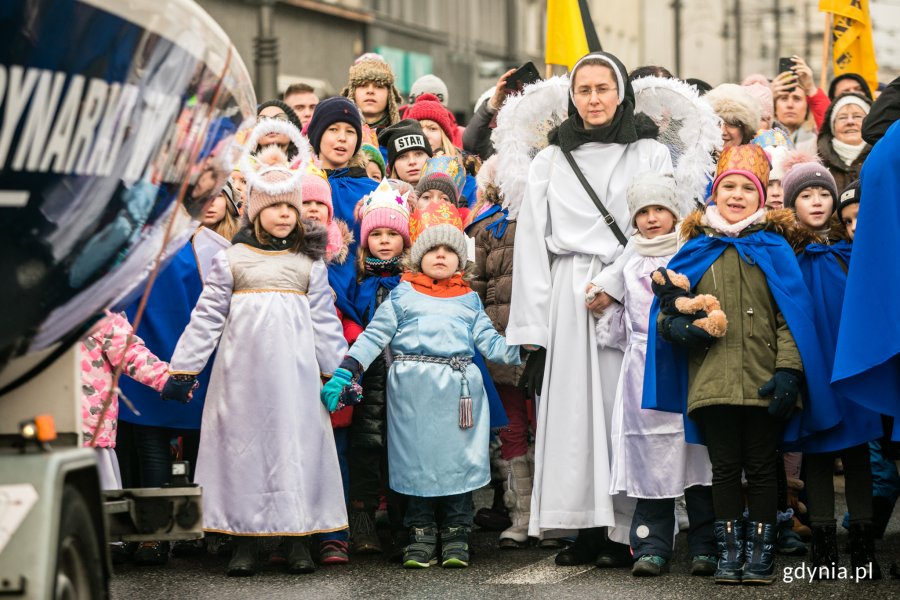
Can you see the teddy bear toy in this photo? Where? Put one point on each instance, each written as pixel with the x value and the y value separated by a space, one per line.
pixel 675 298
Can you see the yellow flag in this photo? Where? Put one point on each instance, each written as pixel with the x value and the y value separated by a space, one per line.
pixel 570 32
pixel 851 33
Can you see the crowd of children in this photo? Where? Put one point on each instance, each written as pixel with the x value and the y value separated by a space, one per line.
pixel 359 272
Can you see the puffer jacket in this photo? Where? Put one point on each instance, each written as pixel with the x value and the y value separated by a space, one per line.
pixel 758 340
pixel 493 282
pixel 369 426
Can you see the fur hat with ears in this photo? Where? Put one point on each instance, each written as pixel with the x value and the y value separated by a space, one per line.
pixel 736 106
pixel 372 67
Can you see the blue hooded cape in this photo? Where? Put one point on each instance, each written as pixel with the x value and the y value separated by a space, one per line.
pixel 168 312
pixel 826 280
pixel 346 192
pixel 867 359
pixel 666 373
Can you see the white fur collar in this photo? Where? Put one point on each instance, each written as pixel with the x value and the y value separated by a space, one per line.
pixel 715 220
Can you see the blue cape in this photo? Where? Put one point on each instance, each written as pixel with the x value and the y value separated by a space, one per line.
pixel 825 278
pixel 666 374
pixel 346 192
pixel 867 360
pixel 168 312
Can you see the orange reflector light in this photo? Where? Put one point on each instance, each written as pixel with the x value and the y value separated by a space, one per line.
pixel 46 428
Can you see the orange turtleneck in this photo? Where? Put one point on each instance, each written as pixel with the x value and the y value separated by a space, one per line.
pixel 438 288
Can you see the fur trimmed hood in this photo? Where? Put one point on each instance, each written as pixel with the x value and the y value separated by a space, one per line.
pixel 315 239
pixel 339 239
pixel 780 221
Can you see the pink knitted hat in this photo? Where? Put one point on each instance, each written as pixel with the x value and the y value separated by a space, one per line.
pixel 274 183
pixel 384 207
pixel 316 188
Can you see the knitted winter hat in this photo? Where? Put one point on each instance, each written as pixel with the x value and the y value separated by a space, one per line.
pixel 429 84
pixel 438 224
pixel 291 115
pixel 852 194
pixel 801 175
pixel 383 207
pixel 330 111
pixel 846 99
pixel 651 189
pixel 273 183
pixel 374 155
pixel 748 160
pixel 445 174
pixel 402 137
pixel 763 95
pixel 735 106
pixel 777 144
pixel 315 188
pixel 372 67
pixel 429 107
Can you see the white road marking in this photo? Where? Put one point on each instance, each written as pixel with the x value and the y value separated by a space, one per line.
pixel 543 571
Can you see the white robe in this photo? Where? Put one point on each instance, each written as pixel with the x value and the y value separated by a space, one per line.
pixel 267 461
pixel 562 243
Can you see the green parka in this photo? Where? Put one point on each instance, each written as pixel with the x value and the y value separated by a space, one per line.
pixel 758 340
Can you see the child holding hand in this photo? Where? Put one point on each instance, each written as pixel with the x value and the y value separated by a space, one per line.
pixel 267 459
pixel 438 417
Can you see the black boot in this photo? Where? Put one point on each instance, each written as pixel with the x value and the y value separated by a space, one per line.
pixel 299 560
pixel 862 550
pixel 584 551
pixel 824 551
pixel 881 513
pixel 759 553
pixel 612 555
pixel 730 546
pixel 243 557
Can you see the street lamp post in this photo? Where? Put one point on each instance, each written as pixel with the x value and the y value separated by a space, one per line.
pixel 265 50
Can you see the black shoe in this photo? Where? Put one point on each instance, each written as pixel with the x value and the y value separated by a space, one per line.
pixel 299 560
pixel 121 553
pixel 363 536
pixel 186 548
pixel 862 550
pixel 584 551
pixel 421 552
pixel 759 554
pixel 455 547
pixel 824 551
pixel 613 555
pixel 730 546
pixel 152 554
pixel 243 557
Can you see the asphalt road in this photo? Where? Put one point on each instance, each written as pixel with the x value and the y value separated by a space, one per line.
pixel 494 573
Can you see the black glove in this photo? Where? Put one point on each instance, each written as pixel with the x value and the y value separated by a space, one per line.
pixel 682 331
pixel 667 293
pixel 352 365
pixel 783 388
pixel 532 379
pixel 179 387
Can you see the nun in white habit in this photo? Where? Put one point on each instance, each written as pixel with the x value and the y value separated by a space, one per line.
pixel 562 244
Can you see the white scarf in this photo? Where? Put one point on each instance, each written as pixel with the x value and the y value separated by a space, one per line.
pixel 662 245
pixel 847 152
pixel 718 222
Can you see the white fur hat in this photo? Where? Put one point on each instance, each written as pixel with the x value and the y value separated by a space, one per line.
pixel 651 189
pixel 736 106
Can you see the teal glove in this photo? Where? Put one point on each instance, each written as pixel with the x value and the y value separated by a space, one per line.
pixel 331 391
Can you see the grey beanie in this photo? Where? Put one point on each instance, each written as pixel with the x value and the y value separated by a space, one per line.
pixel 651 189
pixel 443 234
pixel 429 84
pixel 441 183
